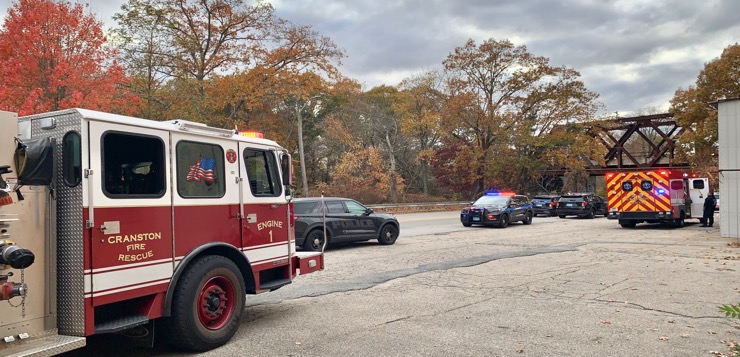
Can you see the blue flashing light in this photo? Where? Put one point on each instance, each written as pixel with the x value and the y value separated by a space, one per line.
pixel 661 191
pixel 499 193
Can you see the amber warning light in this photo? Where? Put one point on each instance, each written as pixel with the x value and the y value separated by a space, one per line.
pixel 252 134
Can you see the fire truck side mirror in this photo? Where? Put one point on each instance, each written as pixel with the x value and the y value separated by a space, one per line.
pixel 285 167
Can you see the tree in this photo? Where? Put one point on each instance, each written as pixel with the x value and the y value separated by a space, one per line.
pixel 719 79
pixel 503 102
pixel 189 41
pixel 54 56
pixel 419 107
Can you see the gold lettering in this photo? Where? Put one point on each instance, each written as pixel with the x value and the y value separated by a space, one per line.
pixel 137 246
pixel 135 257
pixel 133 238
pixel 269 224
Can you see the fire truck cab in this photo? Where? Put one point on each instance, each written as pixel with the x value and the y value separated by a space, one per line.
pixel 109 223
pixel 655 196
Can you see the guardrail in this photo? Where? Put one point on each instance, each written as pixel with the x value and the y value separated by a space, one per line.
pixel 424 206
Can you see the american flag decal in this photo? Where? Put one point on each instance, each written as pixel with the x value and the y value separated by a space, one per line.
pixel 202 170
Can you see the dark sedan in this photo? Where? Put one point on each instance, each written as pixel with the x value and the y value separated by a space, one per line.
pixel 346 221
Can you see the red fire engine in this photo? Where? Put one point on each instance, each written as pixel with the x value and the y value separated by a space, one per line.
pixel 655 196
pixel 109 223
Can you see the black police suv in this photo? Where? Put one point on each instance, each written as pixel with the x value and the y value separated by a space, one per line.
pixel 346 221
pixel 586 205
pixel 498 209
pixel 545 204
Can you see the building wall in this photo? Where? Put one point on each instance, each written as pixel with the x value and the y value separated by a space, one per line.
pixel 729 167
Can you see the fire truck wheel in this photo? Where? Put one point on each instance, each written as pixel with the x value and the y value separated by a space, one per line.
pixel 207 305
pixel 314 241
pixel 388 235
pixel 504 221
pixel 527 218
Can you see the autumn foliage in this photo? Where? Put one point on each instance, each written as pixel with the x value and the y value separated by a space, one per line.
pixel 493 115
pixel 720 79
pixel 54 56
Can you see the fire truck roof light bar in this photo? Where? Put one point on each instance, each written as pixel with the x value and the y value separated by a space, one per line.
pixel 201 128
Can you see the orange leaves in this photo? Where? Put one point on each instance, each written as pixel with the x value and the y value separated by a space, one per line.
pixel 364 170
pixel 54 56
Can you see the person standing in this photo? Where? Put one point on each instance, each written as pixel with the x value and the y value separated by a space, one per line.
pixel 708 218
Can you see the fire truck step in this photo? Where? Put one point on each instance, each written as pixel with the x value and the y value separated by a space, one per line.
pixel 48 345
pixel 274 284
pixel 120 324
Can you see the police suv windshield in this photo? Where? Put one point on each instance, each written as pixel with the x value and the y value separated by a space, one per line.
pixel 492 201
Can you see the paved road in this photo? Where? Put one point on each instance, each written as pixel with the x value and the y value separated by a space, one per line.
pixel 558 287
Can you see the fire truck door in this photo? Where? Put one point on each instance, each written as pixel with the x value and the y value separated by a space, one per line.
pixel 128 212
pixel 206 192
pixel 267 223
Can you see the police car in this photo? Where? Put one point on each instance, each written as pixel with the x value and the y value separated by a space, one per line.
pixel 498 209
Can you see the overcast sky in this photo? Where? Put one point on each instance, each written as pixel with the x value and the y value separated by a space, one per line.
pixel 634 53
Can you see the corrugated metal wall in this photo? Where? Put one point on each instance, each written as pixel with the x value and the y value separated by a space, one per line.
pixel 729 164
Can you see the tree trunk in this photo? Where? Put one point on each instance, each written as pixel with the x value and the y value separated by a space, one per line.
pixel 392 196
pixel 304 180
pixel 425 178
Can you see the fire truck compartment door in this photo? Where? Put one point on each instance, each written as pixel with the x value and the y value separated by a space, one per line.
pixel 130 246
pixel 268 225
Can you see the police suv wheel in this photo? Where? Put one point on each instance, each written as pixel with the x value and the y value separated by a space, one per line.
pixel 314 241
pixel 388 235
pixel 504 221
pixel 527 218
pixel 466 224
pixel 207 305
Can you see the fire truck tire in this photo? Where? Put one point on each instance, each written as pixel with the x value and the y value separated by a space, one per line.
pixel 314 241
pixel 504 221
pixel 388 235
pixel 527 218
pixel 207 305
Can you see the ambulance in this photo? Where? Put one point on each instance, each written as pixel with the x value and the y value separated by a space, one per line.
pixel 661 196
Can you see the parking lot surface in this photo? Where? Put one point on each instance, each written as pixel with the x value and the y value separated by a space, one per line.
pixel 557 287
